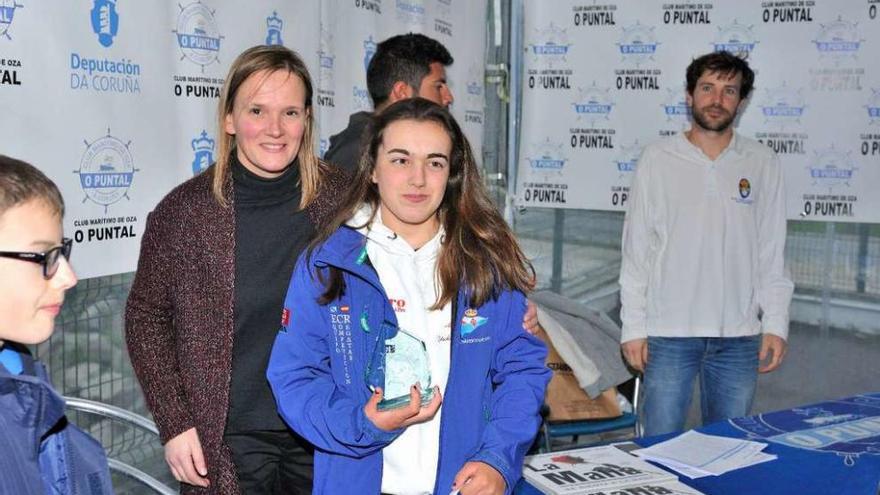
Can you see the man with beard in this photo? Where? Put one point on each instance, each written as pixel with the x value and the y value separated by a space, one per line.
pixel 704 290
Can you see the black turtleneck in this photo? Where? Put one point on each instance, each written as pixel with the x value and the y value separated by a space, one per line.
pixel 270 233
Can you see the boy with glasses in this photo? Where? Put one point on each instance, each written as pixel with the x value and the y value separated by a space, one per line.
pixel 41 451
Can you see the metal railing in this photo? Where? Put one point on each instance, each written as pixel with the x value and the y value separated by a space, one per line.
pixel 119 415
pixel 576 251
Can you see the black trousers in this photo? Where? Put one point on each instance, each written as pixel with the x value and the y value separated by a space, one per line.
pixel 272 462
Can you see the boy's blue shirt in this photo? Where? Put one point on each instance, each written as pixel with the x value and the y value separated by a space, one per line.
pixel 317 370
pixel 11 360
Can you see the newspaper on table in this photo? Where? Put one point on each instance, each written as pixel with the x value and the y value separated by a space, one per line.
pixel 596 470
pixel 696 454
pixel 666 488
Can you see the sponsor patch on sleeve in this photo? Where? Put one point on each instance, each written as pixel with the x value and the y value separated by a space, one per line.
pixel 285 317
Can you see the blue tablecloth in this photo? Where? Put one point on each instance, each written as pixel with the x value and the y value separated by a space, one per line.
pixel 827 448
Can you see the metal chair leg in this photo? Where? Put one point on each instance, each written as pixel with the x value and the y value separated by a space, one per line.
pixel 545 430
pixel 637 390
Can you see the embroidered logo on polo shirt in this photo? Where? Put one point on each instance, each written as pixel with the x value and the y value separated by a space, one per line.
pixel 745 192
pixel 745 188
pixel 285 317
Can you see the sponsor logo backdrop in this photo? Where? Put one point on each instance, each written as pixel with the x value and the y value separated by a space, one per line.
pixel 115 99
pixel 604 78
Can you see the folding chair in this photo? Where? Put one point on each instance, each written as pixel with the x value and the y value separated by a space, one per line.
pixel 592 426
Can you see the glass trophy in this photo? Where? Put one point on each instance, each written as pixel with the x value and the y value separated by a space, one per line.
pixel 397 363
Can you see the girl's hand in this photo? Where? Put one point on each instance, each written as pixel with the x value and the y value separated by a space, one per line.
pixel 402 417
pixel 479 478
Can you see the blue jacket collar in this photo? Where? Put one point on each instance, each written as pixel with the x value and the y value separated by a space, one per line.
pixel 346 249
pixel 37 403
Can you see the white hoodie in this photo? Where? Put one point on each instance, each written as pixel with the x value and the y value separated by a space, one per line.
pixel 409 279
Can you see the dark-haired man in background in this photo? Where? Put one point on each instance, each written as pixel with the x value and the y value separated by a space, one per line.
pixel 703 246
pixel 404 66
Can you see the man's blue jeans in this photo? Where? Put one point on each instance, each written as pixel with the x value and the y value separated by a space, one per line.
pixel 728 370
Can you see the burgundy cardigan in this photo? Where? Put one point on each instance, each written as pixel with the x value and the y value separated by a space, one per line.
pixel 179 322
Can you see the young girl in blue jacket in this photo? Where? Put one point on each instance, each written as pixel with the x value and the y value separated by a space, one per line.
pixel 418 251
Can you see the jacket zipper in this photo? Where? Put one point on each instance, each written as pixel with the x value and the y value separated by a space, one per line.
pixel 453 332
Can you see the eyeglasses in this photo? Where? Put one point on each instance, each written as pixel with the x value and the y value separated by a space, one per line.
pixel 48 260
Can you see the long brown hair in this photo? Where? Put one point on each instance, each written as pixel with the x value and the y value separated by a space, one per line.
pixel 249 62
pixel 479 252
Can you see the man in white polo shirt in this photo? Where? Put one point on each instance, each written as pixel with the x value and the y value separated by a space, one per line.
pixel 703 284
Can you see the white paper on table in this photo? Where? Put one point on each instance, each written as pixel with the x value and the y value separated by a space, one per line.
pixel 695 454
pixel 683 469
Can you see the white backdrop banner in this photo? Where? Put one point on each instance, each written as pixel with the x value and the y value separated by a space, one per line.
pixel 602 79
pixel 116 100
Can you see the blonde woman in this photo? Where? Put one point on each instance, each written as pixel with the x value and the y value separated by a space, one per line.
pixel 216 257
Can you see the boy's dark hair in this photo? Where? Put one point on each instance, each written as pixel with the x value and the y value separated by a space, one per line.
pixel 405 57
pixel 21 182
pixel 725 64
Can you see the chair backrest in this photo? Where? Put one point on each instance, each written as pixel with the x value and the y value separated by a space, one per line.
pixel 594 426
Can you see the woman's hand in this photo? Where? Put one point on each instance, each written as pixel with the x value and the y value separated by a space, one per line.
pixel 184 456
pixel 530 318
pixel 478 478
pixel 402 417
